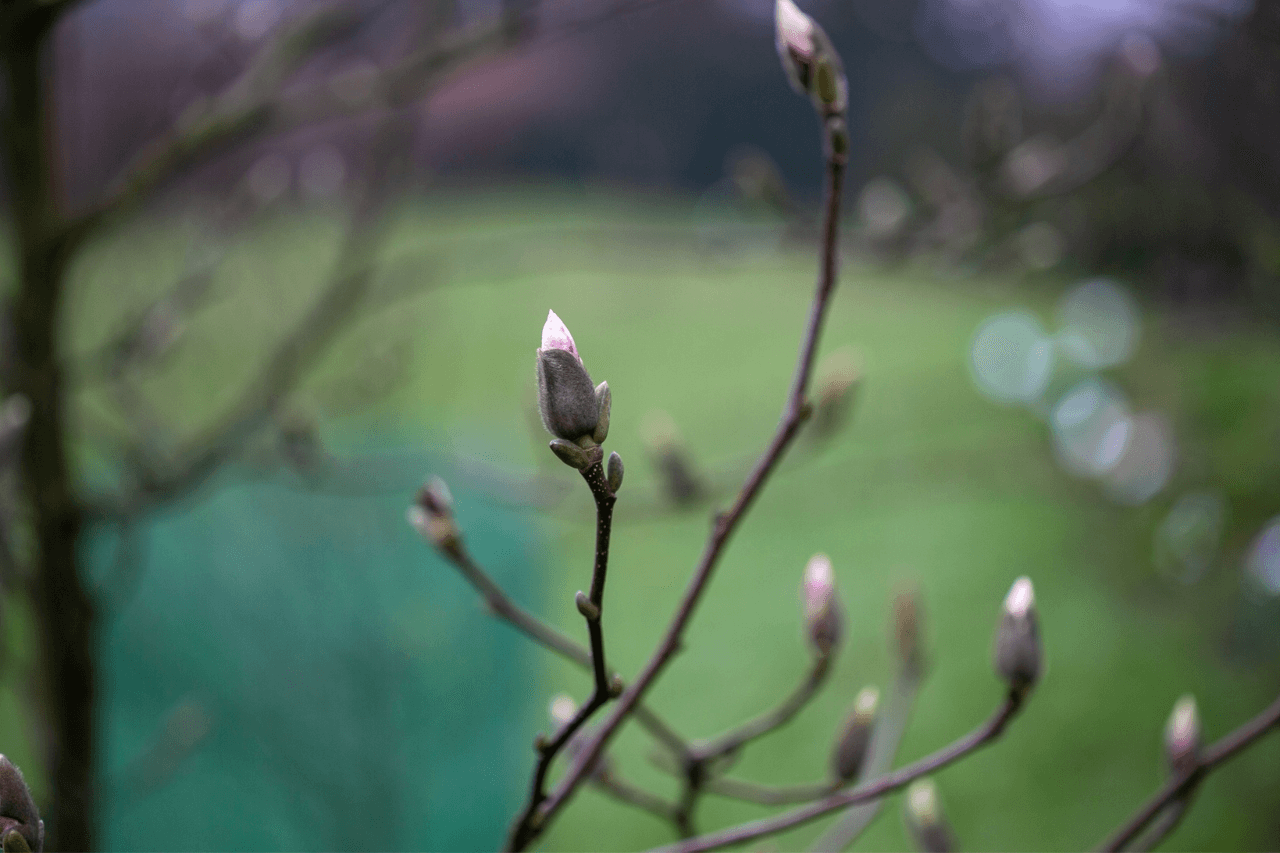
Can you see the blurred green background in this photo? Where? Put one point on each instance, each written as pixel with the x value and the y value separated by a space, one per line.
pixel 351 680
pixel 1058 301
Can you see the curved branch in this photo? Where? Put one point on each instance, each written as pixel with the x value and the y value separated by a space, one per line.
pixel 1183 785
pixel 873 790
pixel 796 411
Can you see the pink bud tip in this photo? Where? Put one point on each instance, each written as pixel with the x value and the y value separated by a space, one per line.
pixel 555 335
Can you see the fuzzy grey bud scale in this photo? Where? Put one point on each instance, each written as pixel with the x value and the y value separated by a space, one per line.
pixel 20 824
pixel 567 399
pixel 855 737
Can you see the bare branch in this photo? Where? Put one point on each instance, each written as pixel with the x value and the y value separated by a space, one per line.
pixel 796 411
pixel 735 739
pixel 874 790
pixel 255 104
pixel 1181 786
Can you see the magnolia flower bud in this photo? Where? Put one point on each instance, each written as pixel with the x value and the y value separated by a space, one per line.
pixel 908 619
pixel 1182 736
pixel 682 484
pixel 432 515
pixel 566 398
pixel 926 824
pixel 855 737
pixel 837 382
pixel 822 617
pixel 20 826
pixel 1018 656
pixel 810 60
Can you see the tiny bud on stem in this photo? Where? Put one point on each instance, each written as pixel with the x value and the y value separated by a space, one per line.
pixel 926 824
pixel 1018 653
pixel 855 737
pixel 823 619
pixel 1182 736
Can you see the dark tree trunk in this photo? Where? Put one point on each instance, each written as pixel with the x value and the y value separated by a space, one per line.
pixel 64 612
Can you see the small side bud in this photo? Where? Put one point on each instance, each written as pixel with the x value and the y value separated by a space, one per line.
pixel 839 376
pixel 1018 654
pixel 569 453
pixel 432 516
pixel 586 606
pixel 855 736
pixel 1182 736
pixel 604 402
pixel 615 472
pixel 20 826
pixel 682 484
pixel 616 686
pixel 926 824
pixel 822 616
pixel 908 633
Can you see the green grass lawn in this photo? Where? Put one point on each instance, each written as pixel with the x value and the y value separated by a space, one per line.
pixel 930 484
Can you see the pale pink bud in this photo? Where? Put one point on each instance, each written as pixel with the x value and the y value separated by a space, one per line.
pixel 1018 653
pixel 821 608
pixel 555 335
pixel 1182 735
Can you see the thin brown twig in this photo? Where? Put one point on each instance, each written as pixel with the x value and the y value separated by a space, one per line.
pixel 874 790
pixel 796 411
pixel 769 795
pixel 626 792
pixel 500 605
pixel 528 823
pixel 1166 823
pixel 733 740
pixel 1180 786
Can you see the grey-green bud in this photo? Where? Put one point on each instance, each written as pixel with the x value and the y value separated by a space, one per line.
pixel 566 398
pixel 855 737
pixel 20 826
pixel 570 454
pixel 1018 653
pixel 604 401
pixel 586 606
pixel 926 824
pixel 615 472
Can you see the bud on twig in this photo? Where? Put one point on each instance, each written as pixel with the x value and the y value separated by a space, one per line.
pixel 855 737
pixel 1018 656
pixel 615 472
pixel 838 379
pixel 1182 736
pixel 822 617
pixel 908 631
pixel 926 824
pixel 567 400
pixel 661 438
pixel 810 60
pixel 21 828
pixel 432 516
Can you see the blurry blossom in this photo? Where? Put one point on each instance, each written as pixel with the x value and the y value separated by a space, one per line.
pixel 1146 464
pixel 1011 357
pixel 1098 324
pixel 1187 540
pixel 1263 561
pixel 1091 427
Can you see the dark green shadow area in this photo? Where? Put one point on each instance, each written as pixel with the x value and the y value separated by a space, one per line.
pixel 355 695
